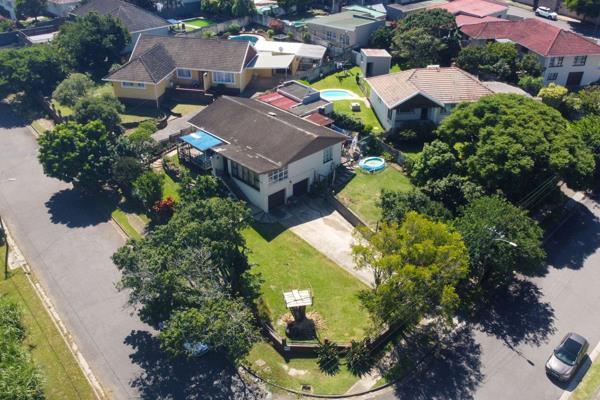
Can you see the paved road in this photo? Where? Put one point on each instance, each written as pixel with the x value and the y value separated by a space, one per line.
pixel 503 355
pixel 68 244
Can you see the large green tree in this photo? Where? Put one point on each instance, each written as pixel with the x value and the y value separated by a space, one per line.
pixel 587 8
pixel 105 108
pixel 588 128
pixel 395 205
pixel 93 43
pixel 501 238
pixel 79 154
pixel 511 143
pixel 30 8
pixel 417 266
pixel 72 89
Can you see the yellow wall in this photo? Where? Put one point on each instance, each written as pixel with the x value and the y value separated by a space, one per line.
pixel 246 77
pixel 263 73
pixel 148 93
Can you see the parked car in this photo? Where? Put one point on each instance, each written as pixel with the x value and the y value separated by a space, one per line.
pixel 567 357
pixel 546 13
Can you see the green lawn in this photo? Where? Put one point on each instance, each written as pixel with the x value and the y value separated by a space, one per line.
pixel 590 384
pixel 63 378
pixel 362 193
pixel 121 217
pixel 366 114
pixel 294 373
pixel 66 111
pixel 395 68
pixel 139 113
pixel 286 262
pixel 170 187
pixel 199 22
pixel 183 108
pixel 340 80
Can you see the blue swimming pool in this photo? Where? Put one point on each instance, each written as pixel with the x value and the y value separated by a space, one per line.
pixel 245 38
pixel 337 94
pixel 372 164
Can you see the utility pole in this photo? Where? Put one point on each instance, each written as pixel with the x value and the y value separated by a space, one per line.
pixel 4 234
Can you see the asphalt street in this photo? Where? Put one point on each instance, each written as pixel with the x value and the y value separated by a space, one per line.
pixel 68 243
pixel 502 353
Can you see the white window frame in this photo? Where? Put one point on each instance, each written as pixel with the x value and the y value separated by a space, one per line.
pixel 186 70
pixel 552 76
pixel 221 74
pixel 327 154
pixel 556 62
pixel 133 85
pixel 580 63
pixel 278 175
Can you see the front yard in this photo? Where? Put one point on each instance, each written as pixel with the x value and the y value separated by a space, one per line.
pixel 286 262
pixel 362 193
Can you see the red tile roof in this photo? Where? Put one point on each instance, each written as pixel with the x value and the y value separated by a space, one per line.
pixel 462 20
pixel 278 100
pixel 537 36
pixel 475 8
pixel 319 119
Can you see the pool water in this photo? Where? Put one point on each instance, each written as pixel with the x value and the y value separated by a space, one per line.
pixel 245 38
pixel 372 164
pixel 337 94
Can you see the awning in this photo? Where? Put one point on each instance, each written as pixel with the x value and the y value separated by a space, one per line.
pixel 270 61
pixel 201 140
pixel 278 100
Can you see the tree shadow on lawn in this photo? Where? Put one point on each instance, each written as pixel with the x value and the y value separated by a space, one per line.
pixel 211 377
pixel 516 315
pixel 576 240
pixel 454 373
pixel 71 208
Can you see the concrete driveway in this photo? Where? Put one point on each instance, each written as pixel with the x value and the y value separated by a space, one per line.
pixel 68 244
pixel 319 224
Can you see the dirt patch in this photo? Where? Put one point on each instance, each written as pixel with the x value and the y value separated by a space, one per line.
pixel 293 371
pixel 318 320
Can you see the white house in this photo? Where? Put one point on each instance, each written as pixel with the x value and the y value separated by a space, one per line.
pixel 568 59
pixel 268 153
pixel 426 93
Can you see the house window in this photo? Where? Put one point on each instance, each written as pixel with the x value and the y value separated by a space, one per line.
pixel 331 36
pixel 184 73
pixel 556 61
pixel 250 178
pixel 449 107
pixel 327 155
pixel 390 113
pixel 552 76
pixel 579 61
pixel 133 85
pixel 223 77
pixel 279 175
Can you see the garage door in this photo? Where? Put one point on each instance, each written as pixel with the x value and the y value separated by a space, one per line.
pixel 277 199
pixel 301 187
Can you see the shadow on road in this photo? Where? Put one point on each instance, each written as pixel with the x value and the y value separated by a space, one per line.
pixel 209 378
pixel 455 373
pixel 9 118
pixel 576 240
pixel 70 208
pixel 517 316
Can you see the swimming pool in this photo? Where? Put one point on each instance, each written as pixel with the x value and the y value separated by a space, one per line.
pixel 246 38
pixel 337 94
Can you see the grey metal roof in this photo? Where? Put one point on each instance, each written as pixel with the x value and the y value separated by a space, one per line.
pixel 304 109
pixel 134 18
pixel 154 57
pixel 261 137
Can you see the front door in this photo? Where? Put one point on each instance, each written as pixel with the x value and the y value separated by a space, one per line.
pixel 574 78
pixel 424 113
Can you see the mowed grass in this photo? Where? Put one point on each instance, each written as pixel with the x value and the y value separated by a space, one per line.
pixel 362 193
pixel 366 114
pixel 63 378
pixel 286 262
pixel 340 80
pixel 199 22
pixel 590 384
pixel 294 373
pixel 121 217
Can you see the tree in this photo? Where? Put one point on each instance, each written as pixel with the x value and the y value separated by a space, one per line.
pixel 29 8
pixel 381 38
pixel 72 89
pixel 587 8
pixel 507 142
pixel 530 84
pixel 487 225
pixel 140 143
pixel 328 357
pixel 105 108
pixel 198 188
pixel 453 191
pixel 590 100
pixel 78 154
pixel 395 206
pixel 416 48
pixel 147 188
pixel 20 379
pixel 417 266
pixel 93 43
pixel 33 70
pixel 588 128
pixel 125 171
pixel 553 95
pixel 359 359
pixel 529 64
pixel 223 324
pixel 434 162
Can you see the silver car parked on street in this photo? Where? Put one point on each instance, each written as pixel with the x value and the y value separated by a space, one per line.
pixel 567 357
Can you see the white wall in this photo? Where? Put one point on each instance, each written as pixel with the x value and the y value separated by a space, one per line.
pixel 381 111
pixel 591 70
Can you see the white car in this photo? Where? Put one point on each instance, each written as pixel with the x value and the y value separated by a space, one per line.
pixel 546 13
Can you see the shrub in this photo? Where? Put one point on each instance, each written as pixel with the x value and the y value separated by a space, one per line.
pixel 328 357
pixel 270 33
pixel 234 29
pixel 347 122
pixel 358 358
pixel 290 36
pixel 104 108
pixel 163 209
pixel 530 84
pixel 125 170
pixel 208 34
pixel 553 95
pixel 72 89
pixel 306 37
pixel 147 189
pixel 276 26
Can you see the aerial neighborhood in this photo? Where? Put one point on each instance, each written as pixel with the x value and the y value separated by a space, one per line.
pixel 254 199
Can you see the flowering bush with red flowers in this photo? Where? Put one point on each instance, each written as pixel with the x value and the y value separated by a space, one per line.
pixel 163 209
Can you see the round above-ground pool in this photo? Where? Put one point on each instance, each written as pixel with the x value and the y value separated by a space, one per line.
pixel 337 94
pixel 247 38
pixel 372 164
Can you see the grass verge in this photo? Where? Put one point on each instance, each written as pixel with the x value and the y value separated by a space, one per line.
pixel 362 193
pixel 590 384
pixel 121 217
pixel 286 262
pixel 63 379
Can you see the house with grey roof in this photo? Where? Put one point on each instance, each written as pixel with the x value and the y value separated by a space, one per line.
pixel 429 93
pixel 347 29
pixel 269 154
pixel 136 19
pixel 160 63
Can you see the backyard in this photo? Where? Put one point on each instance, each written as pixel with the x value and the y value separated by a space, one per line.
pixel 63 379
pixel 198 23
pixel 362 193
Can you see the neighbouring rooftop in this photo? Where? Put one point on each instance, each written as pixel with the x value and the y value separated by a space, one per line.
pixel 475 8
pixel 134 18
pixel 348 20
